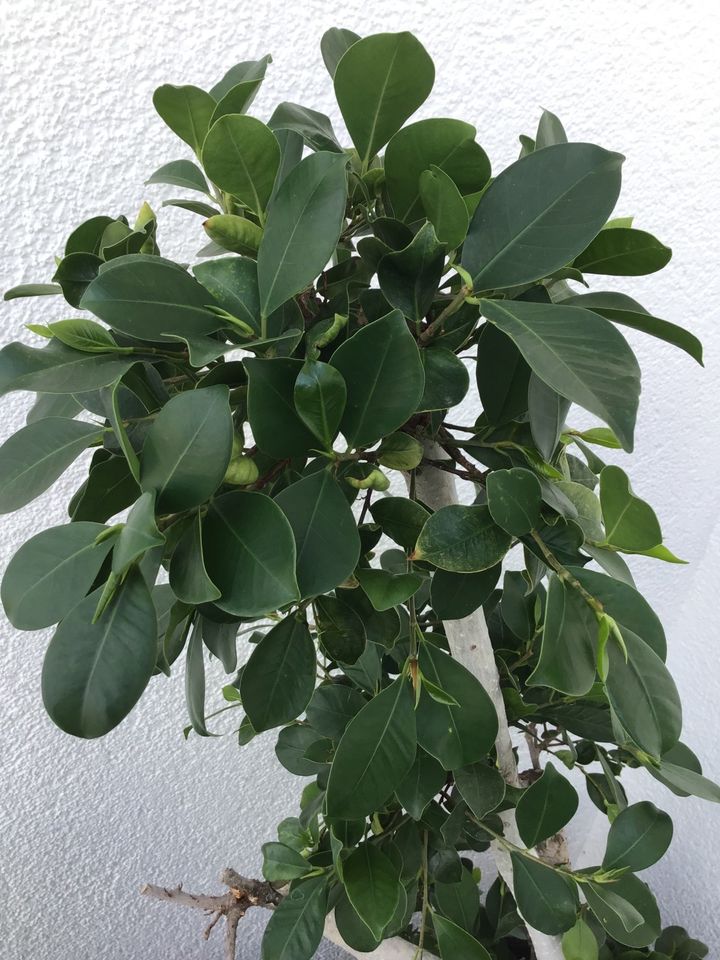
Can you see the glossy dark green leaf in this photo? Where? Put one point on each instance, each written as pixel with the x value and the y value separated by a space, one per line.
pixel 241 155
pixel 545 807
pixel 626 909
pixel 444 206
pixel 319 396
pixel 188 576
pixel 643 695
pixel 51 573
pixel 481 787
pixel 56 369
pixel 630 523
pixel 547 900
pixel 502 376
pixel 401 519
pixel 455 943
pixel 446 379
pixel 281 863
pixel 303 227
pixel 409 277
pixel 540 213
pixel 221 641
pixel 459 902
pixel 315 128
pixel 147 297
pixel 384 376
pixel 296 925
pixel 250 554
pixel 332 707
pixel 623 309
pixel 292 746
pixel 387 590
pixel 110 488
pixel 74 273
pixel 188 449
pixel 328 544
pixel 372 884
pixel 639 836
pixel 232 282
pixel 181 173
pixel 568 654
pixel 374 754
pixel 380 81
pixel 32 459
pixel 186 110
pixel 457 595
pixel 623 252
pixel 462 539
pixel 454 735
pixel 94 673
pixel 279 678
pixel 547 415
pixel 424 780
pixel 341 632
pixel 514 500
pixel 381 628
pixel 444 143
pixel 138 535
pixel 579 354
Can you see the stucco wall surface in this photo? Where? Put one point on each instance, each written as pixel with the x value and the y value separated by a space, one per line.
pixel 83 824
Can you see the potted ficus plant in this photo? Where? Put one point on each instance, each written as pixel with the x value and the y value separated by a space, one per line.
pixel 252 410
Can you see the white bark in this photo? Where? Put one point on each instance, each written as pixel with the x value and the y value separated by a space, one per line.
pixel 469 643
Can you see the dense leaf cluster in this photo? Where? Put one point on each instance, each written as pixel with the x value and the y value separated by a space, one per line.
pixel 250 413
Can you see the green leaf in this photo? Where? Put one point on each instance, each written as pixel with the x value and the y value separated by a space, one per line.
pixel 457 595
pixel 181 173
pixel 455 943
pixel 502 376
pixel 315 128
pixel 550 131
pixel 303 227
pixel 387 590
pixel 577 353
pixel 56 369
pixel 639 836
pixel 567 656
pixel 446 379
pixel 380 81
pixel 585 506
pixel 232 281
pixel 462 539
pixel 333 45
pixel 443 144
pixel 187 111
pixel 547 415
pixel 195 682
pixel 32 290
pixel 401 519
pixel 221 641
pixel 545 807
pixel 459 902
pixel 234 233
pixel 454 735
pixel 341 632
pixel 409 277
pixel 94 673
pixel 579 943
pixel 400 451
pixel 444 206
pixel 250 554
pixel 626 909
pixel 85 335
pixel 138 535
pixel 630 523
pixel 188 448
pixel 643 695
pixel 424 781
pixel 319 395
pixel 623 309
pixel 110 488
pixel 540 213
pixel 236 100
pixel 374 755
pixel 514 500
pixel 373 887
pixel 384 376
pixel 148 297
pixel 328 543
pixel 279 678
pixel 546 899
pixel 247 72
pixel 276 426
pixel 623 252
pixel 296 926
pixel 188 576
pixel 32 459
pixel 689 782
pixel 51 573
pixel 241 155
pixel 333 705
pixel 281 863
pixel 74 273
pixel 481 787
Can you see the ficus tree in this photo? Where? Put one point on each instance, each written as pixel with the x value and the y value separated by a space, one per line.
pixel 276 434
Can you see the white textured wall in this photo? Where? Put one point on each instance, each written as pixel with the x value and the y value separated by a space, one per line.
pixel 83 824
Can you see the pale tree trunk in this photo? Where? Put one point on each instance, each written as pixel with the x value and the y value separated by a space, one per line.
pixel 469 643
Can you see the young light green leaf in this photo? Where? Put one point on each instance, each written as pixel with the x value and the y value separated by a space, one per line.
pixel 579 943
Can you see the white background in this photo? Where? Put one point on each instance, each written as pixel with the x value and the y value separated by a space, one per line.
pixel 83 824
